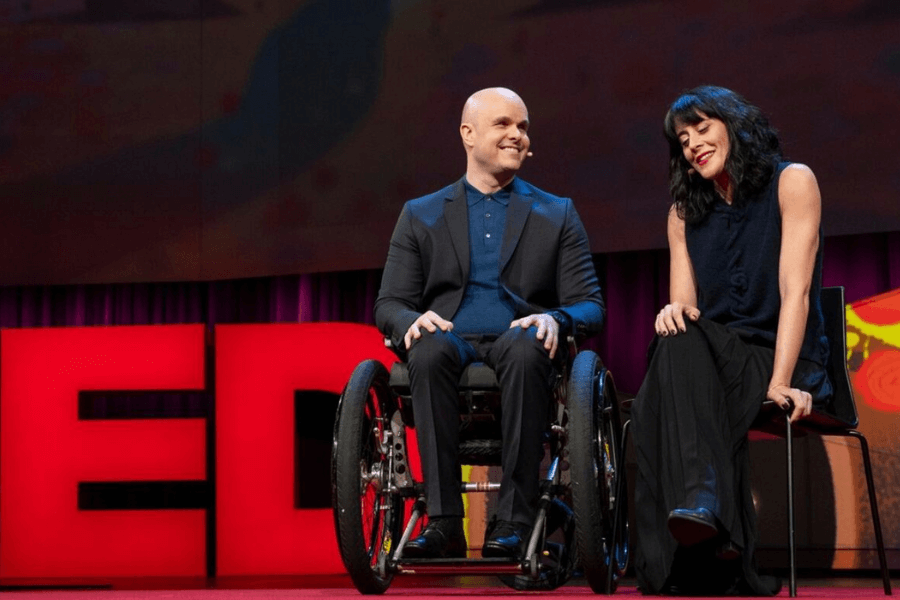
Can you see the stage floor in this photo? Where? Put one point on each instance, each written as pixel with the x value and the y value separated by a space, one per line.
pixel 406 588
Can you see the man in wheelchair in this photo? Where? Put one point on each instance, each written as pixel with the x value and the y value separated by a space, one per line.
pixel 489 269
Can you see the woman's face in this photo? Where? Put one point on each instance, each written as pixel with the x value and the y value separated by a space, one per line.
pixel 705 146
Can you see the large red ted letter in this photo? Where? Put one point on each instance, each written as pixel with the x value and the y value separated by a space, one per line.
pixel 258 370
pixel 66 502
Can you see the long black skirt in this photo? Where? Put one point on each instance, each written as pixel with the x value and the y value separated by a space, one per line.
pixel 690 420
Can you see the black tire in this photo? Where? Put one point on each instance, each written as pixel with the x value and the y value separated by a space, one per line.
pixel 611 424
pixel 367 517
pixel 592 419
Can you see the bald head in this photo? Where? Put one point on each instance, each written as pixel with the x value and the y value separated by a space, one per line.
pixel 494 132
pixel 481 99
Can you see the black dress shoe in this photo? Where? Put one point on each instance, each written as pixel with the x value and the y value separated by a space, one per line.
pixel 690 526
pixel 443 538
pixel 505 539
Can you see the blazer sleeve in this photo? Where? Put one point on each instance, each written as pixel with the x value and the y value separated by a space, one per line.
pixel 402 284
pixel 579 290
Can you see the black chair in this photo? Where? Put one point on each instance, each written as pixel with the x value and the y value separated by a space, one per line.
pixel 839 419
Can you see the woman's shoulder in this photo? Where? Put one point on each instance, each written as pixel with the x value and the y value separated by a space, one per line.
pixel 797 183
pixel 793 174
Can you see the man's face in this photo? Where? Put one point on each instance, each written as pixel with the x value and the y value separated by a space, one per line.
pixel 499 135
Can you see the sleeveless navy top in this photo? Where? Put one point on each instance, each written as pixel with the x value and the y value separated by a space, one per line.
pixel 735 252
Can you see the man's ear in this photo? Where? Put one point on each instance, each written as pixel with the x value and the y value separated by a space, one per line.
pixel 466 132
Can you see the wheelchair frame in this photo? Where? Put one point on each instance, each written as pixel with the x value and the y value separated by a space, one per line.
pixel 373 487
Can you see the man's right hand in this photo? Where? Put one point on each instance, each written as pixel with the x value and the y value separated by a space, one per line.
pixel 431 321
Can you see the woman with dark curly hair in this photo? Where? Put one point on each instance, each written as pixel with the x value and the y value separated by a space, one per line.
pixel 743 324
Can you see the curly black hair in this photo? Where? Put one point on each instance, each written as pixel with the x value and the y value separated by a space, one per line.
pixel 754 154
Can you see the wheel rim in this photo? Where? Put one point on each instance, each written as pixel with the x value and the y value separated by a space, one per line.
pixel 374 505
pixel 613 469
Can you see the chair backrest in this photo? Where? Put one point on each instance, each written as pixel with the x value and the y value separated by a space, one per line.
pixel 835 316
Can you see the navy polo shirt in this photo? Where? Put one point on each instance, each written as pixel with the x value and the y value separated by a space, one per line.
pixel 485 307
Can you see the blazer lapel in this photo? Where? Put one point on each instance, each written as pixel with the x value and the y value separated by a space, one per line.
pixel 519 209
pixel 456 214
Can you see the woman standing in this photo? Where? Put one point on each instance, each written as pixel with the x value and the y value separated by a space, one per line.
pixel 744 324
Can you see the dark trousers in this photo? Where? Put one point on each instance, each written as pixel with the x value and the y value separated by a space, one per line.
pixel 525 373
pixel 690 419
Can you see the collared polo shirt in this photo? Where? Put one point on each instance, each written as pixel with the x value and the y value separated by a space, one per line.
pixel 485 308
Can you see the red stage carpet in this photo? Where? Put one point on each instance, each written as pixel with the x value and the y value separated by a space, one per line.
pixel 403 589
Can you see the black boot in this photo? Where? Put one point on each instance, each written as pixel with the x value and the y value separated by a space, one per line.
pixel 689 527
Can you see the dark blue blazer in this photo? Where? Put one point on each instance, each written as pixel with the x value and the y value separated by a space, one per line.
pixel 545 260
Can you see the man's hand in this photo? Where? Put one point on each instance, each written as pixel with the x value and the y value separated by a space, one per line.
pixel 547 329
pixel 670 319
pixel 784 396
pixel 430 321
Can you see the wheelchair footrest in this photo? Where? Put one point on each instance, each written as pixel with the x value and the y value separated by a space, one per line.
pixel 459 566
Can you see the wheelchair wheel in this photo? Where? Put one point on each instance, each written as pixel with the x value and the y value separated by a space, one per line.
pixel 611 425
pixel 367 516
pixel 593 430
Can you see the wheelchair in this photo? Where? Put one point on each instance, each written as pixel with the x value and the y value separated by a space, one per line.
pixel 580 528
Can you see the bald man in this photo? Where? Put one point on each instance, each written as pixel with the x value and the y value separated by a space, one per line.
pixel 488 269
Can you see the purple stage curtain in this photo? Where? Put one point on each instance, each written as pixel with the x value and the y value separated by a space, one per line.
pixel 635 286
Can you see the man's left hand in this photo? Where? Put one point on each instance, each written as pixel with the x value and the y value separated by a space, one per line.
pixel 547 329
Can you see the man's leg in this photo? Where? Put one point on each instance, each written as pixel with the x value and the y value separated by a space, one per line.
pixel 525 373
pixel 436 361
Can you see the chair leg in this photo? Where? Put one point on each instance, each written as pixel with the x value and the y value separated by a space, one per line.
pixel 873 503
pixel 789 439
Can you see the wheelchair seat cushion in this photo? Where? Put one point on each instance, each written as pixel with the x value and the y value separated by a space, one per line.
pixel 476 376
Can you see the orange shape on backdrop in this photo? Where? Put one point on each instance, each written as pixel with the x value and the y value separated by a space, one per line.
pixel 883 309
pixel 878 379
